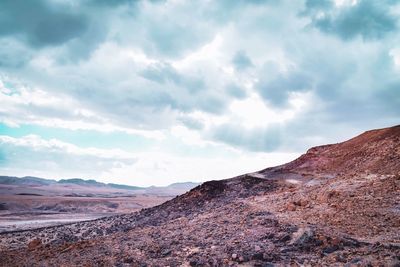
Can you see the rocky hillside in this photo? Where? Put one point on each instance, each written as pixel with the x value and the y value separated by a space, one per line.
pixel 335 205
pixel 374 152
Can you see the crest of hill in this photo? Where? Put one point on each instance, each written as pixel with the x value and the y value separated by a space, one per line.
pixel 374 151
pixel 27 180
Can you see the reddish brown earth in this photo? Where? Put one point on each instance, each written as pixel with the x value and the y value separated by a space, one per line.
pixel 375 151
pixel 336 205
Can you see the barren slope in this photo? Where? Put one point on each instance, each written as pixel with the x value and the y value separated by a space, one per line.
pixel 375 151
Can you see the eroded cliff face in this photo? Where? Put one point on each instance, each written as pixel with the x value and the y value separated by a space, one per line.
pixel 337 204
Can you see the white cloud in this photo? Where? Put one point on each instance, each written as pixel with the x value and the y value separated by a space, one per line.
pixel 53 145
pixel 163 169
pixel 57 159
pixel 23 105
pixel 395 54
pixel 209 54
pixel 32 155
pixel 252 112
pixel 340 3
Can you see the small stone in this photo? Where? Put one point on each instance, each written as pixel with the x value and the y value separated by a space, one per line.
pixel 268 257
pixel 193 263
pixel 393 263
pixel 128 260
pixel 234 256
pixel 258 256
pixel 330 249
pixel 34 244
pixel 303 202
pixel 335 241
pixel 165 252
pixel 291 206
pixel 340 258
pixel 285 238
pixel 302 236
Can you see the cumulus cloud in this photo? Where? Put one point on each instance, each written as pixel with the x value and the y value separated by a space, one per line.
pixel 369 19
pixel 276 89
pixel 22 105
pixel 241 61
pixel 41 23
pixel 54 157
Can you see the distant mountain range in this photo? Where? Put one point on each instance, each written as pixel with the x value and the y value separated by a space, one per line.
pixel 37 181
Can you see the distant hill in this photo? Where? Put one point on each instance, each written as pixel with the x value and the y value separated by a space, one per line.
pixel 36 181
pixel 80 181
pixel 27 180
pixel 127 187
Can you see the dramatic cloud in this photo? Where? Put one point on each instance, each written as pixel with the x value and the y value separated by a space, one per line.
pixel 194 81
pixel 348 19
pixel 41 23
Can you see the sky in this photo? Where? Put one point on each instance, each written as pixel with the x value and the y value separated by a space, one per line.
pixel 156 92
